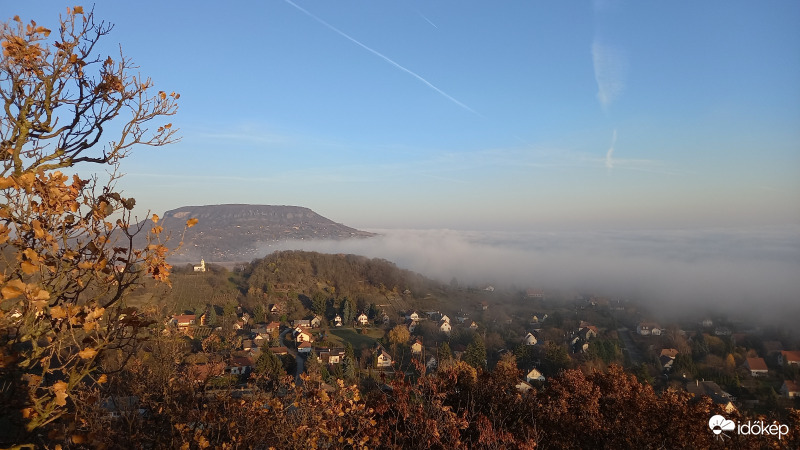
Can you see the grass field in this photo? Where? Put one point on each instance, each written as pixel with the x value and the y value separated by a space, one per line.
pixel 356 339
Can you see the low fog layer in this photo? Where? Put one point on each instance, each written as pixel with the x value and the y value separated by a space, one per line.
pixel 756 272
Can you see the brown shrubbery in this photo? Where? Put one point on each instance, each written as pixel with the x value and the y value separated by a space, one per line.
pixel 458 407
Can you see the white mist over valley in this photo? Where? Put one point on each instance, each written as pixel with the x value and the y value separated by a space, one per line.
pixel 754 271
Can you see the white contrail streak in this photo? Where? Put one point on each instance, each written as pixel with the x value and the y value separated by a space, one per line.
pixel 427 20
pixel 380 55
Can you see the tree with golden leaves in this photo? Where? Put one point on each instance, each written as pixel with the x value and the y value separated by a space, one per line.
pixel 67 258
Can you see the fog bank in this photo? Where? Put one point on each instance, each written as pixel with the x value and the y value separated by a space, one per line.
pixel 755 270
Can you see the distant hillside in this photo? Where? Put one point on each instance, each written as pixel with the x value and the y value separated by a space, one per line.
pixel 345 275
pixel 243 232
pixel 285 276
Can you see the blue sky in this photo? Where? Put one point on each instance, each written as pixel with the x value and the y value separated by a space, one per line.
pixel 472 115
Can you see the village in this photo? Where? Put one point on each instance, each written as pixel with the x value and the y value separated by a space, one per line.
pixel 737 366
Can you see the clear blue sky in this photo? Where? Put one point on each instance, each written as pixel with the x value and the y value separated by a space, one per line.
pixel 472 115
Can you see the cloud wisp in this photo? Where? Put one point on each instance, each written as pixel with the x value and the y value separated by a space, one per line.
pixel 610 152
pixel 610 69
pixel 383 57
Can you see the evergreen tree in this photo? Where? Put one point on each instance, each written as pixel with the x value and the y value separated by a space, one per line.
pixel 444 353
pixel 212 316
pixel 347 310
pixel 318 303
pixel 259 313
pixel 475 355
pixel 348 368
pixel 556 359
pixel 684 365
pixel 289 364
pixel 526 356
pixel 643 374
pixel 268 369
pixel 348 351
pixel 228 316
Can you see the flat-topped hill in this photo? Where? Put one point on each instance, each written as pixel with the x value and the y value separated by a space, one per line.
pixel 243 232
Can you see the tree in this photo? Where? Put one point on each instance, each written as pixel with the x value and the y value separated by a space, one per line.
pixel 684 365
pixel 313 368
pixel 319 303
pixel 228 316
pixel 399 335
pixel 268 369
pixel 213 320
pixel 526 356
pixel 444 353
pixel 730 363
pixel 347 310
pixel 349 351
pixel 555 360
pixel 475 355
pixel 68 259
pixel 259 312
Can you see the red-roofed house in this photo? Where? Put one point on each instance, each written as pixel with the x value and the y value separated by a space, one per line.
pixel 303 336
pixel 667 358
pixel 201 373
pixel 240 365
pixel 789 358
pixel 757 366
pixel 669 352
pixel 184 320
pixel 790 389
pixel 279 350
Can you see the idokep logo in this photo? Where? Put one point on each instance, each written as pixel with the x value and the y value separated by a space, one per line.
pixel 719 425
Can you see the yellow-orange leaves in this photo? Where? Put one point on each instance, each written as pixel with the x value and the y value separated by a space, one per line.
pixel 12 289
pixel 60 389
pixel 58 312
pixel 87 353
pixel 38 231
pixel 29 268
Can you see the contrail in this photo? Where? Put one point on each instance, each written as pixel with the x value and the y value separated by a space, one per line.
pixel 385 58
pixel 427 20
pixel 610 152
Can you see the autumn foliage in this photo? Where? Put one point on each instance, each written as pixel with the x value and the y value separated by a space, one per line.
pixel 67 261
pixel 457 407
